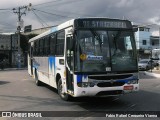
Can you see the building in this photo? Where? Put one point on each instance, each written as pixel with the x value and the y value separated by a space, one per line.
pixel 155 42
pixel 37 31
pixel 9 47
pixel 5 48
pixel 142 37
pixel 143 42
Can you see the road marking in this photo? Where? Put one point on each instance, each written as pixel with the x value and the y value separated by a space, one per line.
pixel 115 99
pixel 133 105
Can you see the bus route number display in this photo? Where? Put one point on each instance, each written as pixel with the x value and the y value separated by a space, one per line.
pixel 102 24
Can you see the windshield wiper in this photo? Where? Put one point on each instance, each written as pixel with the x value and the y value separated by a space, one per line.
pixel 96 35
pixel 115 38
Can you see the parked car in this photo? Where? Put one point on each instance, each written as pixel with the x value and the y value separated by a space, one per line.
pixel 146 64
pixel 157 61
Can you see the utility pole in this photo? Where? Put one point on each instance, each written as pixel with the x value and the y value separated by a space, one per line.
pixel 20 11
pixel 159 36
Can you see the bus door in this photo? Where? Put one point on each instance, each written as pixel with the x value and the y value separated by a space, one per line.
pixel 69 63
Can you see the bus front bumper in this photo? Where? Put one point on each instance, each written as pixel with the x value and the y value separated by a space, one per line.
pixel 105 91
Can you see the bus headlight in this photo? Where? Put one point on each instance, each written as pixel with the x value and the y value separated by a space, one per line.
pixel 132 81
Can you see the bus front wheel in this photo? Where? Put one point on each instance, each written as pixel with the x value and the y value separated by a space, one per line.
pixel 61 93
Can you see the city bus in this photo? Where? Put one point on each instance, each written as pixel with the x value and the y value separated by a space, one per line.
pixel 86 57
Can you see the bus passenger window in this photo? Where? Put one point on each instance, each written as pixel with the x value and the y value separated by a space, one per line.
pixel 60 43
pixel 52 44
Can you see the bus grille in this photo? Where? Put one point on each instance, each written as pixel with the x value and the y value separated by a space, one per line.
pixel 114 92
pixel 109 84
pixel 111 77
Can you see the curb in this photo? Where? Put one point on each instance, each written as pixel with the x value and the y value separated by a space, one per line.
pixel 152 74
pixel 10 69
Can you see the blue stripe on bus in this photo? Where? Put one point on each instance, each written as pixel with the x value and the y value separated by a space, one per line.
pixel 52 62
pixel 53 29
pixel 80 77
pixel 127 79
pixel 85 76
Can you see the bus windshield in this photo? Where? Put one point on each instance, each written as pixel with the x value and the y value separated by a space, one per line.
pixel 105 51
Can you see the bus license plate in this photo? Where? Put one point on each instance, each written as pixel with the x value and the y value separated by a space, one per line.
pixel 128 88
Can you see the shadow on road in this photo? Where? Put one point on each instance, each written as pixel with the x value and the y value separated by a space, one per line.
pixel 3 82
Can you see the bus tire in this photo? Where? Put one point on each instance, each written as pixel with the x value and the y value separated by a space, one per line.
pixel 63 96
pixel 38 83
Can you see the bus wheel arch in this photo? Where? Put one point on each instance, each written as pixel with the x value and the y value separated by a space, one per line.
pixel 38 83
pixel 62 95
pixel 58 77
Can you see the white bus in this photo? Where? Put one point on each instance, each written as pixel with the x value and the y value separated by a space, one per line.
pixel 86 57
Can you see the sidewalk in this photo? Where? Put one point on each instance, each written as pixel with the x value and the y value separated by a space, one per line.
pixel 155 72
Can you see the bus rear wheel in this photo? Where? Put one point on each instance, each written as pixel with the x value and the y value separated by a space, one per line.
pixel 63 96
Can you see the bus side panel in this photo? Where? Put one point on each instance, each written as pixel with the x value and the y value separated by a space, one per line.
pixel 29 65
pixel 52 66
pixel 41 64
pixel 60 69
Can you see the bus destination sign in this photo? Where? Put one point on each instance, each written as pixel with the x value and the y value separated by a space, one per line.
pixel 102 24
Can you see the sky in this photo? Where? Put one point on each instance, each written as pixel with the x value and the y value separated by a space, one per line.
pixel 52 12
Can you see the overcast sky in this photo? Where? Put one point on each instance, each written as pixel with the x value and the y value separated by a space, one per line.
pixel 57 11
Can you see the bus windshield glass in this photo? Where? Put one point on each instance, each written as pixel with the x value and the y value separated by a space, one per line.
pixel 105 51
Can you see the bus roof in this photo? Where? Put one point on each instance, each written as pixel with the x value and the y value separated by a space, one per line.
pixel 53 29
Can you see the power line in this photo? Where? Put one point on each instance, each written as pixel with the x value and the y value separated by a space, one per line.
pixel 6 25
pixel 68 2
pixel 74 13
pixel 39 19
pixel 52 13
pixel 47 2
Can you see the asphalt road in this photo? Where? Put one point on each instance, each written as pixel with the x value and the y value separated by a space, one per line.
pixel 18 92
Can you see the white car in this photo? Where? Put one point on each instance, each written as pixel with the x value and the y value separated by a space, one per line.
pixel 146 64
